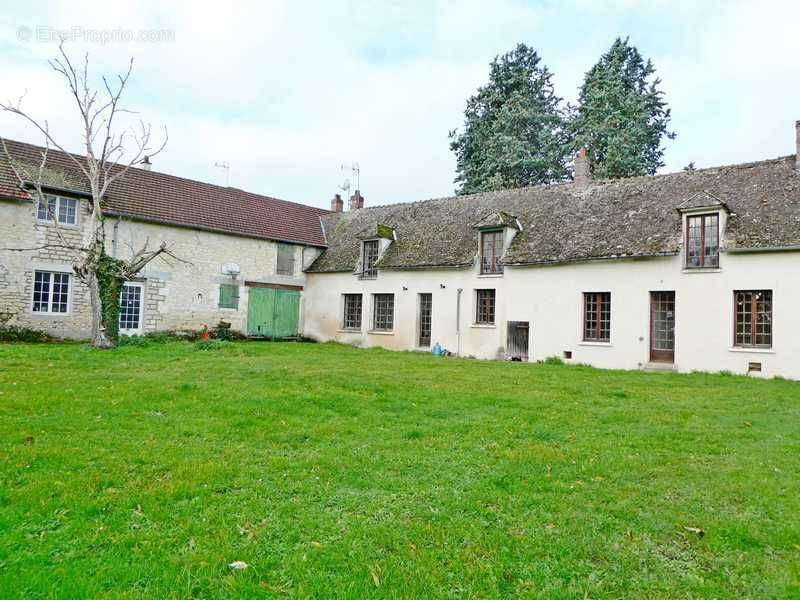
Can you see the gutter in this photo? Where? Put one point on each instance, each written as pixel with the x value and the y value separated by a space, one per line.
pixel 762 249
pixel 548 263
pixel 140 219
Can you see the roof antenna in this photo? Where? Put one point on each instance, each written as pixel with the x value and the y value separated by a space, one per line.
pixel 225 166
pixel 356 171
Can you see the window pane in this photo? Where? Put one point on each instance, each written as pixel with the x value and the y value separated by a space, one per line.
pixel 130 306
pixel 67 208
pixel 693 241
pixel 285 259
pixel 711 247
pixel 485 304
pixel 60 293
pixel 369 258
pixel 47 209
pixel 753 318
pixel 491 251
pixel 384 312
pixel 597 316
pixel 41 291
pixel 352 311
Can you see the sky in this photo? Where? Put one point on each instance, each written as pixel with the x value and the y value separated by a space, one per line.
pixel 288 92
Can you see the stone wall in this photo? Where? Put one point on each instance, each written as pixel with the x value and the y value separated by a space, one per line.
pixel 177 294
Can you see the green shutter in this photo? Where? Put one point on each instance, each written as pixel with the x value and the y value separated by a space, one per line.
pixel 228 295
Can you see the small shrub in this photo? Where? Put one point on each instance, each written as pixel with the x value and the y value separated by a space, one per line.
pixel 14 333
pixel 553 360
pixel 206 345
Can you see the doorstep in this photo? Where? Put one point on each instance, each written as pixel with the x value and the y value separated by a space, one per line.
pixel 659 367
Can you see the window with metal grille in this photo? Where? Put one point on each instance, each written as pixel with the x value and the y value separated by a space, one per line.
pixel 753 318
pixel 369 256
pixel 352 311
pixel 228 295
pixel 484 307
pixel 65 210
pixel 425 312
pixel 597 316
pixel 491 252
pixel 383 312
pixel 285 259
pixel 702 241
pixel 50 292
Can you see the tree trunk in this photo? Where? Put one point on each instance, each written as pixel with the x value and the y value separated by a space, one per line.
pixel 99 337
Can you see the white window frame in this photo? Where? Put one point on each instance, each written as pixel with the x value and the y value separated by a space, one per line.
pixel 54 218
pixel 49 312
pixel 140 329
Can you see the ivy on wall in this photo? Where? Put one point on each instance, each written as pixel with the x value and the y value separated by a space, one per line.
pixel 110 277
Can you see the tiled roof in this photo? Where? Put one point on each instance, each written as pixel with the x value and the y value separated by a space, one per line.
pixel 562 223
pixel 158 197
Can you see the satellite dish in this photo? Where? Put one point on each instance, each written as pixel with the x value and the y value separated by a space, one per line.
pixel 231 269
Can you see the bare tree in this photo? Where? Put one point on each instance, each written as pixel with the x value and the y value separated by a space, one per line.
pixel 109 154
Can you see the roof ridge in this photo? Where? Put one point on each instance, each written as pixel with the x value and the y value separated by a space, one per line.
pixel 594 184
pixel 145 173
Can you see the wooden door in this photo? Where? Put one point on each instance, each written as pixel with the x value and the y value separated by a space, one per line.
pixel 425 313
pixel 662 327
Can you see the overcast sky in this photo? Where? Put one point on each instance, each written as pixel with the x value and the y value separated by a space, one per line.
pixel 286 91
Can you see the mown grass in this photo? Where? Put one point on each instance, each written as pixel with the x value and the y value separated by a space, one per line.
pixel 332 471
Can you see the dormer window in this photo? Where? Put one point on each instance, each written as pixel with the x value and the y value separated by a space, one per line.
pixel 491 252
pixel 369 256
pixel 702 241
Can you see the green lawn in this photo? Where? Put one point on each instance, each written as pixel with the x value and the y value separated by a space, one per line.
pixel 333 471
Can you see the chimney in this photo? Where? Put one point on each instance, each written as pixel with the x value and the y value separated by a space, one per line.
pixel 583 176
pixel 797 145
pixel 337 204
pixel 356 201
pixel 146 164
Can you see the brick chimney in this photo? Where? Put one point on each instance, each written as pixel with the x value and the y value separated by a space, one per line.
pixel 337 204
pixel 356 201
pixel 797 145
pixel 583 176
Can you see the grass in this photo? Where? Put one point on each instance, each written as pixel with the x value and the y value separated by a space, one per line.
pixel 332 471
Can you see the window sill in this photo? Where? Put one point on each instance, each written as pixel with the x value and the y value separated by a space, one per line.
pixel 692 270
pixel 590 343
pixel 75 226
pixel 377 332
pixel 228 309
pixel 483 326
pixel 50 315
pixel 747 350
pixel 489 275
pixel 343 330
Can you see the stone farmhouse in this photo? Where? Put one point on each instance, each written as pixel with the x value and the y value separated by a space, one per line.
pixel 696 270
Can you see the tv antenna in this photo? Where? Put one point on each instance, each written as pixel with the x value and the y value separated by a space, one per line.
pixel 225 166
pixel 356 173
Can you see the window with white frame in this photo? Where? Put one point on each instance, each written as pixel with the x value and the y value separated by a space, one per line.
pixel 50 292
pixel 58 208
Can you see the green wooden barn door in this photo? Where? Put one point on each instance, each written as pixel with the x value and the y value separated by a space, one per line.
pixel 272 313
pixel 287 313
pixel 260 311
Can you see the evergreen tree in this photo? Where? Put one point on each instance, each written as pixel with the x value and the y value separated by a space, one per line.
pixel 621 115
pixel 515 129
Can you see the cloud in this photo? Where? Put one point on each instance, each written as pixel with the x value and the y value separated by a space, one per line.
pixel 287 91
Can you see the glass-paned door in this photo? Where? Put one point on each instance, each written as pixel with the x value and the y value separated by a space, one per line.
pixel 425 313
pixel 662 326
pixel 130 308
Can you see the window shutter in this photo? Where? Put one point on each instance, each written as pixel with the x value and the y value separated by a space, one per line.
pixel 228 296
